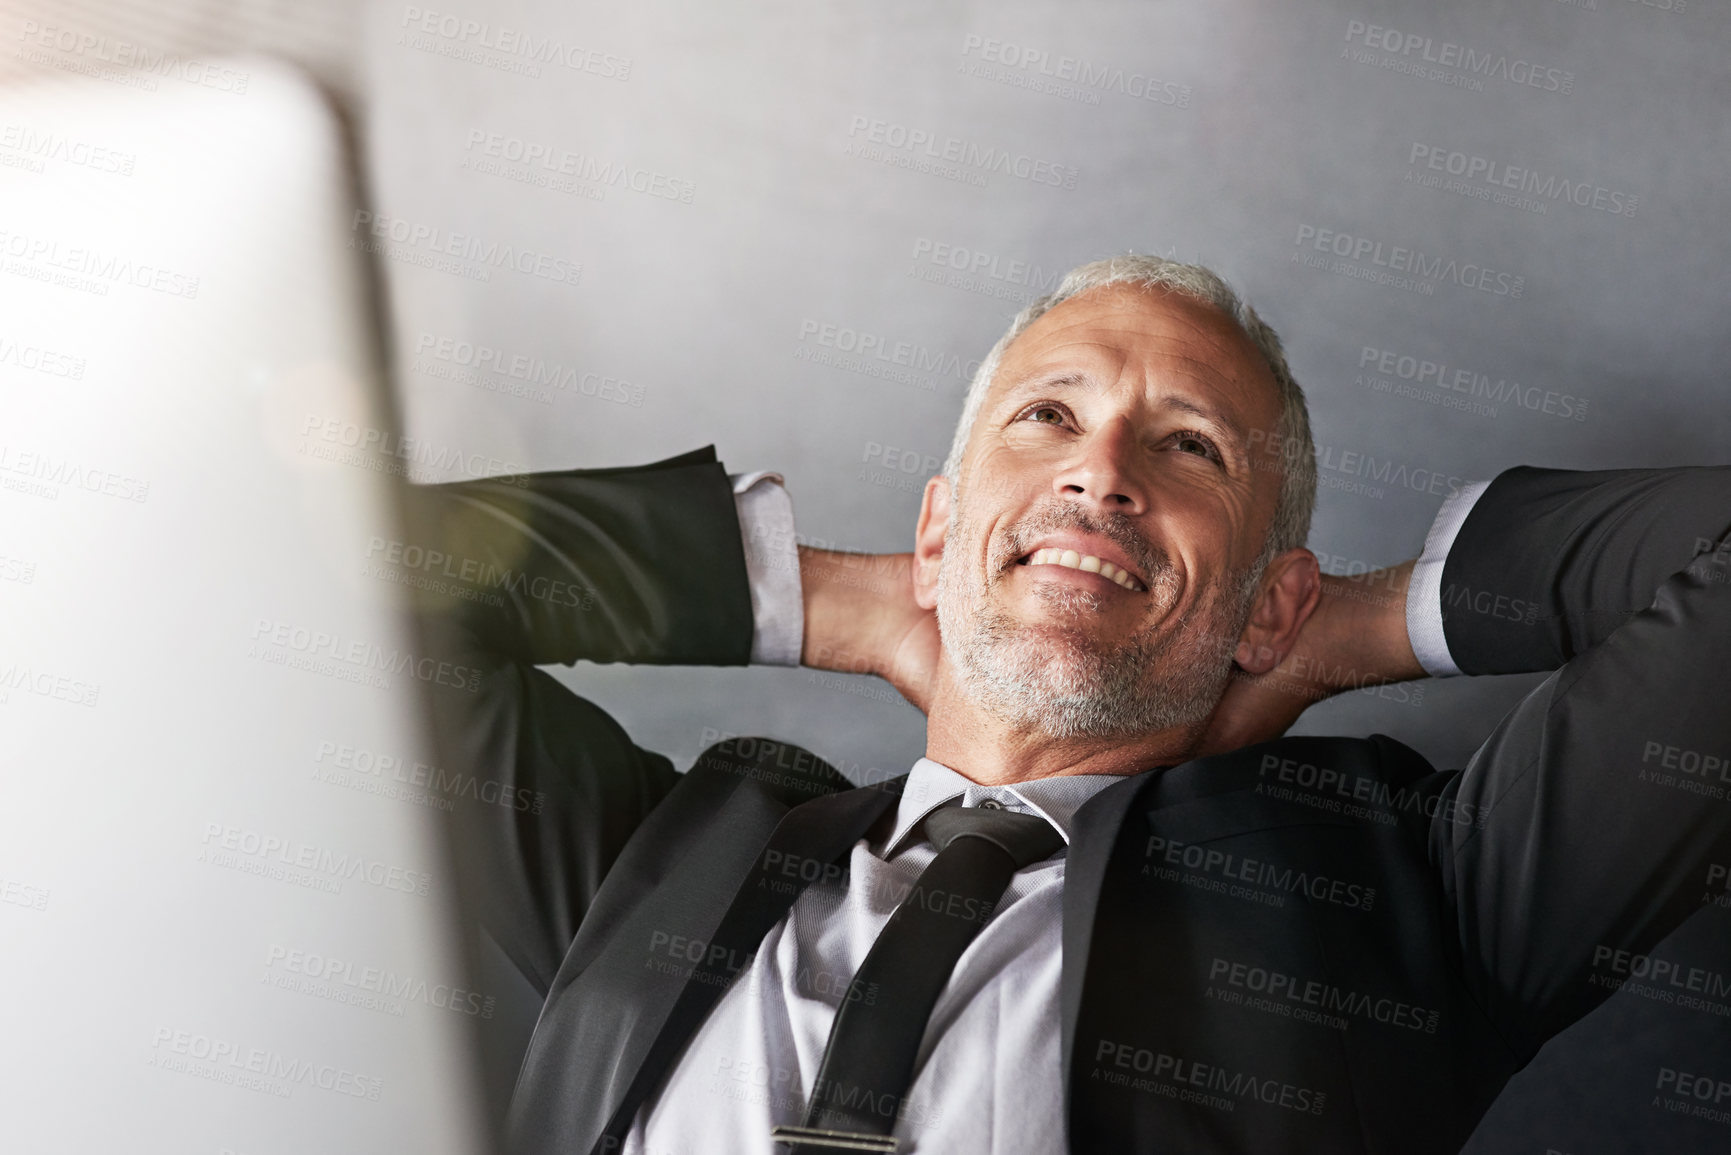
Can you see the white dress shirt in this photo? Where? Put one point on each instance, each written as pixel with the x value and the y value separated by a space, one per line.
pixel 987 1080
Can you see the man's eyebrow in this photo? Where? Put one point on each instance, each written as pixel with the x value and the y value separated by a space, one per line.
pixel 1206 412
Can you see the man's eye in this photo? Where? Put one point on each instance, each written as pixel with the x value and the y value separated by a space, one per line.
pixel 1197 444
pixel 1045 414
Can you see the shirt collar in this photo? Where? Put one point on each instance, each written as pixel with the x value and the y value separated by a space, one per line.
pixel 932 784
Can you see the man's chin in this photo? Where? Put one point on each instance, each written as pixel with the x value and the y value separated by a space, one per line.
pixel 1053 664
pixel 1066 682
pixel 1079 655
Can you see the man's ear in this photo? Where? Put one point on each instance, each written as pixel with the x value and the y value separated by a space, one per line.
pixel 1285 599
pixel 929 533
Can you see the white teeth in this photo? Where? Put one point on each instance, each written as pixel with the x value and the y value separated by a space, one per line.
pixel 1087 562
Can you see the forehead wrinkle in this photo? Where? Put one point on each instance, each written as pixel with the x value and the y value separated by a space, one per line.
pixel 1182 320
pixel 1217 364
pixel 1064 379
pixel 1206 412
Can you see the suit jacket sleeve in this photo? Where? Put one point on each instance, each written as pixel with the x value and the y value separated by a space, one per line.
pixel 637 565
pixel 1588 820
pixel 604 565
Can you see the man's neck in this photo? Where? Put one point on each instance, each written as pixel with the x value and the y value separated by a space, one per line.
pixel 982 747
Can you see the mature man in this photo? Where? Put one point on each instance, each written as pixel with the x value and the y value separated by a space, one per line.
pixel 1095 915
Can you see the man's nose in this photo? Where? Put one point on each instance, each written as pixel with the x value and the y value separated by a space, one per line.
pixel 1103 473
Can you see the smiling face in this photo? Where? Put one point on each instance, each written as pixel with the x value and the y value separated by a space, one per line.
pixel 1098 562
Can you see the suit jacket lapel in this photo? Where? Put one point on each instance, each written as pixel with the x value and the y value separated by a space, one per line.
pixel 612 1029
pixel 1091 845
pixel 821 831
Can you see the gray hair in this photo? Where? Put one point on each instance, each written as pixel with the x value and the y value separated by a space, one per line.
pixel 1290 440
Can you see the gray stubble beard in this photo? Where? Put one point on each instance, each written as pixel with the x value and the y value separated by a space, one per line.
pixel 1057 681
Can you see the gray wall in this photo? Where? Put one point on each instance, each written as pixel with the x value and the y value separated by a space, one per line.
pixel 1239 135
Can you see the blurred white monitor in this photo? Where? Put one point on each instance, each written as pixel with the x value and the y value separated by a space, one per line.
pixel 225 909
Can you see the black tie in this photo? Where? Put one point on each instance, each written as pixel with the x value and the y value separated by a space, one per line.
pixel 869 1061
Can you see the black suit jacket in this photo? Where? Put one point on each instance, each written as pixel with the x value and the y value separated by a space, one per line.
pixel 1315 944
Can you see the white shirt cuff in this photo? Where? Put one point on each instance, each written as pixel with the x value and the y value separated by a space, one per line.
pixel 1424 623
pixel 771 567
